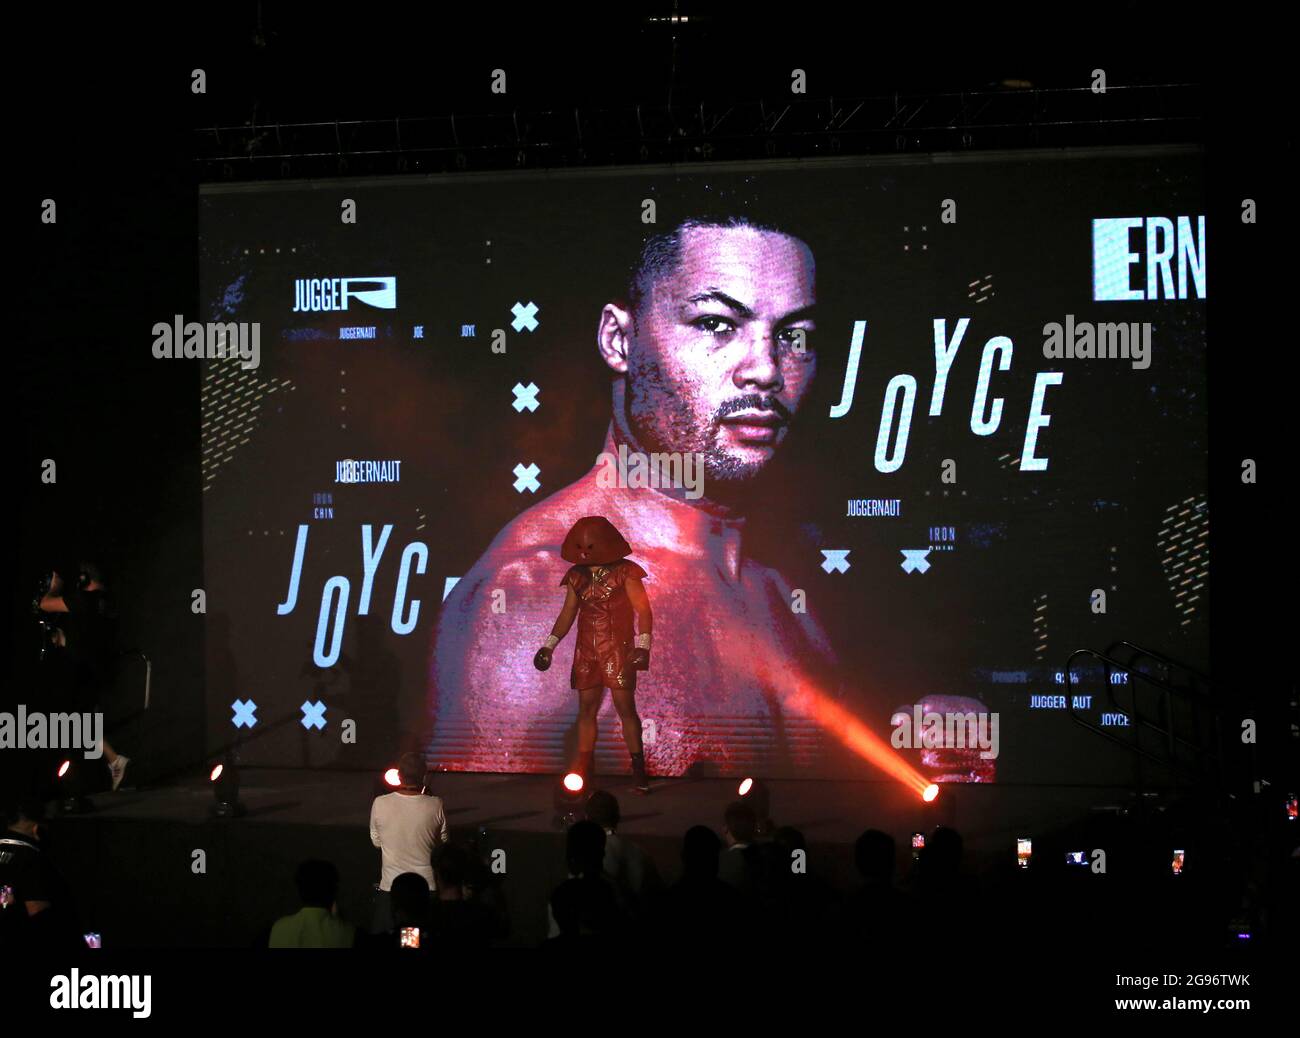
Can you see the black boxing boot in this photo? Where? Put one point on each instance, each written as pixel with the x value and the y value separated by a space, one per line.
pixel 640 780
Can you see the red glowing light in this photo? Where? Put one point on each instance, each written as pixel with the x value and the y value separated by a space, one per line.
pixel 745 786
pixel 392 777
pixel 63 768
pixel 573 782
pixel 804 697
pixel 931 791
pixel 216 773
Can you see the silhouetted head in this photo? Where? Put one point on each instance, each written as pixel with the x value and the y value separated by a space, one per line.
pixel 585 848
pixel 410 893
pixel 318 883
pixel 26 815
pixel 874 854
pixel 594 541
pixel 412 769
pixel 940 859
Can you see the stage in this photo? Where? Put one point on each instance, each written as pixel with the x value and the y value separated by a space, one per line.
pixel 134 863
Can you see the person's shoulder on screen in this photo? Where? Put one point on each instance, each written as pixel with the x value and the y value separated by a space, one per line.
pixel 543 526
pixel 527 549
pixel 517 568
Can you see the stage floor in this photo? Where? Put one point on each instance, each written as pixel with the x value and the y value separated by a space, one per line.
pixel 988 817
pixel 826 812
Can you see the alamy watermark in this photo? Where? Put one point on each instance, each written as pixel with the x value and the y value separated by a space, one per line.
pixel 930 730
pixel 1086 340
pixel 42 731
pixel 73 990
pixel 668 471
pixel 211 341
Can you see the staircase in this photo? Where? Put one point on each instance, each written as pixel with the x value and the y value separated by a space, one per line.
pixel 1176 726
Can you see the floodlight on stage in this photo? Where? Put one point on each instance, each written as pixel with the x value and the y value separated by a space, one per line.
pixel 224 779
pixel 69 779
pixel 805 697
pixel 758 796
pixel 569 800
pixel 931 792
pixel 392 778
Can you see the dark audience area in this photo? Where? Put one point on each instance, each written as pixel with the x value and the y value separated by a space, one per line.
pixel 751 884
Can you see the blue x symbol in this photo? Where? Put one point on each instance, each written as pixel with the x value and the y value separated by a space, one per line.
pixel 914 559
pixel 525 316
pixel 836 559
pixel 313 715
pixel 526 477
pixel 525 397
pixel 243 713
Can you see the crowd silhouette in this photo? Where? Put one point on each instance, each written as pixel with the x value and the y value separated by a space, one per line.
pixel 752 885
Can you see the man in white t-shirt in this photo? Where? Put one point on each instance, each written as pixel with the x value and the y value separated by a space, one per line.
pixel 406 825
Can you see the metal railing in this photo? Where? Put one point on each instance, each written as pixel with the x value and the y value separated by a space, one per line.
pixel 1185 756
pixel 996 116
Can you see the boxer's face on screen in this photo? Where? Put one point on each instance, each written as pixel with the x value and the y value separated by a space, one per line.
pixel 713 366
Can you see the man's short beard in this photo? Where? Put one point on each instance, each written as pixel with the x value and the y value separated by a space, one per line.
pixel 721 467
pixel 657 428
pixel 675 432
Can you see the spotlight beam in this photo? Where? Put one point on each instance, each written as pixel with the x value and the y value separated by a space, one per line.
pixel 802 696
pixel 859 738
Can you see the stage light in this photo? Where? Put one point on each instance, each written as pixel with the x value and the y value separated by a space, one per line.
pixel 392 778
pixel 68 778
pixel 804 697
pixel 224 779
pixel 569 798
pixel 931 793
pixel 758 796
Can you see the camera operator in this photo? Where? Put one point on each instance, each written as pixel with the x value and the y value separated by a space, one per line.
pixel 79 649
